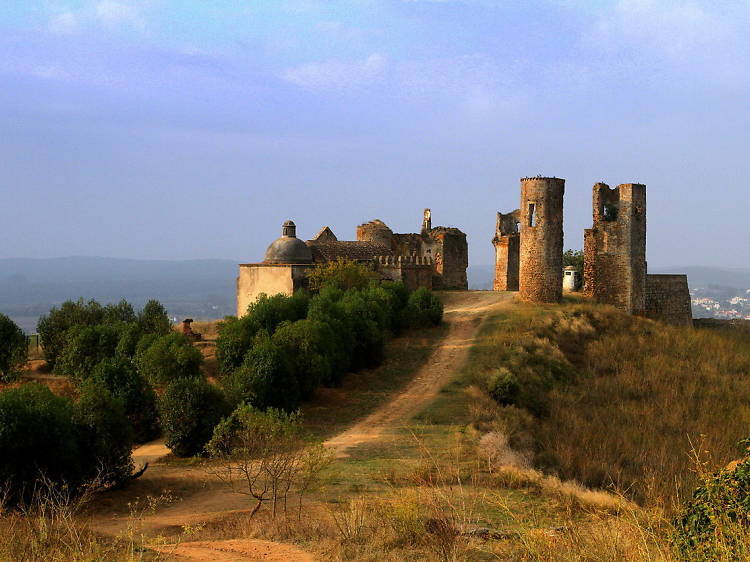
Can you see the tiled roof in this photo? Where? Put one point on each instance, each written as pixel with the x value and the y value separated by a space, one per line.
pixel 351 250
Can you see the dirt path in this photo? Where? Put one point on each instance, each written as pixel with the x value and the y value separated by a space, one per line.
pixel 231 550
pixel 207 502
pixel 463 312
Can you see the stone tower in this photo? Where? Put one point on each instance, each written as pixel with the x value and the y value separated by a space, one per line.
pixel 615 247
pixel 541 239
pixel 375 231
pixel 507 244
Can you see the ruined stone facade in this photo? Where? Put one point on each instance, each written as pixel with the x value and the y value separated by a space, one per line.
pixel 446 248
pixel 615 247
pixel 541 244
pixel 668 299
pixel 434 258
pixel 507 242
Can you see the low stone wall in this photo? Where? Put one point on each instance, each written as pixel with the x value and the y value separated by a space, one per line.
pixel 668 299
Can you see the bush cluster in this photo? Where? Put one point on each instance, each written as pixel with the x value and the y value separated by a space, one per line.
pixel 121 351
pixel 13 349
pixel 714 523
pixel 273 357
pixel 285 347
pixel 65 442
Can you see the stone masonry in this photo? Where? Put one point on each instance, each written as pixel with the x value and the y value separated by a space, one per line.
pixel 507 242
pixel 445 248
pixel 615 247
pixel 668 299
pixel 541 246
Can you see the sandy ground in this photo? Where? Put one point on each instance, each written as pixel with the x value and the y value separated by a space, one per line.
pixel 463 314
pixel 231 550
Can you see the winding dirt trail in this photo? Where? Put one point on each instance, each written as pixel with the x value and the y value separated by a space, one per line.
pixel 463 314
pixel 235 550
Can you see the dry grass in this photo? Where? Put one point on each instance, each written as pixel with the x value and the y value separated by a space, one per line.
pixel 636 396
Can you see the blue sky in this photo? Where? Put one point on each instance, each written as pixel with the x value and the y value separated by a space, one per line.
pixel 192 129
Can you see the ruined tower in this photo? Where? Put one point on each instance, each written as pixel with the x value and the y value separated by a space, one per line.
pixel 541 234
pixel 615 247
pixel 507 244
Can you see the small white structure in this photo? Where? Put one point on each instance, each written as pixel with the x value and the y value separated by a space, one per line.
pixel 571 279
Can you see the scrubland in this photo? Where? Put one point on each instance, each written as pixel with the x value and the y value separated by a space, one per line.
pixel 572 433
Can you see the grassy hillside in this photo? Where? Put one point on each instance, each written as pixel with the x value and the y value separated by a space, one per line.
pixel 505 463
pixel 615 401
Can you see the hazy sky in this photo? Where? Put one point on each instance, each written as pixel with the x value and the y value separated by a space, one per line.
pixel 193 128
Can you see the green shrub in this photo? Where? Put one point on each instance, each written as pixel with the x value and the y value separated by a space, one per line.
pixel 52 328
pixel 425 309
pixel 306 345
pixel 37 436
pixel 85 347
pixel 366 320
pixel 13 349
pixel 105 435
pixel 130 335
pixel 399 305
pixel 265 379
pixel 153 319
pixel 121 379
pixel 716 521
pixel 342 274
pixel 503 387
pixel 235 339
pixel 122 312
pixel 168 358
pixel 190 409
pixel 268 312
pixel 43 435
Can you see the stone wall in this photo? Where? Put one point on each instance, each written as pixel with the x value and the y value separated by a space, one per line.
pixel 507 244
pixel 375 231
pixel 271 279
pixel 615 247
pixel 668 299
pixel 541 234
pixel 451 257
pixel 414 271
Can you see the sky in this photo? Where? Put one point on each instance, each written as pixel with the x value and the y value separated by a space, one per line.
pixel 180 129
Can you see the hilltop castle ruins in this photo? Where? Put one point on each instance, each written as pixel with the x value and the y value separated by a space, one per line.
pixel 436 258
pixel 528 252
pixel 528 255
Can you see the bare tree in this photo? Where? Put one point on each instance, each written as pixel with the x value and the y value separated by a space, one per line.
pixel 265 455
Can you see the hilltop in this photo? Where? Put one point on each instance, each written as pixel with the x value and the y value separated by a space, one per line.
pixel 546 432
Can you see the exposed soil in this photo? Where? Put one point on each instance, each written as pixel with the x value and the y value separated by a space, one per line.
pixel 230 550
pixel 462 312
pixel 205 501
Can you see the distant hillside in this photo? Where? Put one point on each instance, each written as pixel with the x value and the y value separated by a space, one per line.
pixel 198 288
pixel 700 276
pixel 481 276
pixel 202 289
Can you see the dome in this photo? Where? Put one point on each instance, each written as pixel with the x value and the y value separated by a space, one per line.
pixel 288 248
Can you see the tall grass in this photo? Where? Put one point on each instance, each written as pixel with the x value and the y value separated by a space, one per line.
pixel 634 396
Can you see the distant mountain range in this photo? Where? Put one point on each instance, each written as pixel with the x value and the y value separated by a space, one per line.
pixel 201 289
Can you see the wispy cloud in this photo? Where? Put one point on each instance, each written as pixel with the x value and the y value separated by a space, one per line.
pixel 673 27
pixel 110 13
pixel 119 13
pixel 63 23
pixel 335 74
